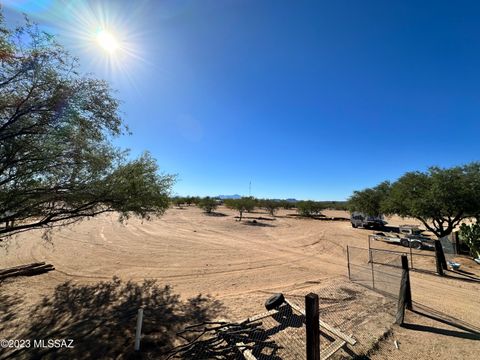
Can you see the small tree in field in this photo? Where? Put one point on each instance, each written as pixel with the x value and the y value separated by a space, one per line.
pixel 270 205
pixel 309 208
pixel 287 205
pixel 241 205
pixel 370 201
pixel 208 204
pixel 178 201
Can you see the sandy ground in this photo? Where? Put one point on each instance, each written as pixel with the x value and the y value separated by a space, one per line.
pixel 237 263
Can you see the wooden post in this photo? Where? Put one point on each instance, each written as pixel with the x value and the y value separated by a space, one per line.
pixel 138 329
pixel 312 318
pixel 439 258
pixel 348 263
pixel 405 295
pixel 408 290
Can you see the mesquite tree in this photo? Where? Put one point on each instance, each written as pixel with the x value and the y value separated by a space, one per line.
pixel 270 205
pixel 439 198
pixel 208 204
pixel 57 162
pixel 241 205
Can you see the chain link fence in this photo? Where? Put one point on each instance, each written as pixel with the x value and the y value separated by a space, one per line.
pixel 449 248
pixel 353 319
pixel 379 270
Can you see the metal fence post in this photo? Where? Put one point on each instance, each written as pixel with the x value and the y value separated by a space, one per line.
pixel 371 263
pixel 405 295
pixel 312 326
pixel 138 329
pixel 408 289
pixel 348 263
pixel 369 248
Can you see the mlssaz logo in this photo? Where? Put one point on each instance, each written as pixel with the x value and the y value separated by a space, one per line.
pixel 53 343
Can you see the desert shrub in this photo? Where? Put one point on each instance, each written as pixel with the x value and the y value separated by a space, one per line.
pixel 270 205
pixel 241 205
pixel 178 201
pixel 287 205
pixel 208 204
pixel 309 208
pixel 470 234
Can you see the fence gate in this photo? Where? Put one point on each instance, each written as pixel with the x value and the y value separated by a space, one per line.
pixel 378 270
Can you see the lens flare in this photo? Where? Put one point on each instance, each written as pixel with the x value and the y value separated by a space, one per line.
pixel 107 37
pixel 107 41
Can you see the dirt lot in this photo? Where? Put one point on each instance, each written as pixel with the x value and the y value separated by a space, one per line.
pixel 239 263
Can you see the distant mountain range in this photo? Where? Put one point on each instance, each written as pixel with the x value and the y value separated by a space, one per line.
pixel 223 197
pixel 236 196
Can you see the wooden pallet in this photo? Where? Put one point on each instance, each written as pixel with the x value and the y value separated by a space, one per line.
pixel 324 325
pixel 340 342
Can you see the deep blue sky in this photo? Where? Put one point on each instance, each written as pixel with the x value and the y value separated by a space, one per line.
pixel 305 99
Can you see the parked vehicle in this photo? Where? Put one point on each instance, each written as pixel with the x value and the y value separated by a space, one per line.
pixel 409 230
pixel 415 241
pixel 367 222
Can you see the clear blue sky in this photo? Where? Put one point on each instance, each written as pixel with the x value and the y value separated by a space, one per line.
pixel 305 99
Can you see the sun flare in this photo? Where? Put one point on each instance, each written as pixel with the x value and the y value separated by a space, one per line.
pixel 107 41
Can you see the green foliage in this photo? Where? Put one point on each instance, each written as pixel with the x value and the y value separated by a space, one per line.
pixel 439 198
pixel 287 205
pixel 189 200
pixel 241 205
pixel 57 162
pixel 178 201
pixel 470 234
pixel 270 205
pixel 335 205
pixel 208 204
pixel 369 201
pixel 309 207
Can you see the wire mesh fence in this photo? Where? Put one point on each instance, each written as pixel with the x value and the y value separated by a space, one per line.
pixel 449 248
pixel 379 270
pixel 346 311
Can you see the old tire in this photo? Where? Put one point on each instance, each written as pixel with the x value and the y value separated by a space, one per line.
pixel 274 301
pixel 416 245
pixel 405 242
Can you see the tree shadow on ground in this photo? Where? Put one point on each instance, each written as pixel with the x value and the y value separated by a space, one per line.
pixel 216 214
pixel 101 320
pixel 257 223
pixel 7 314
pixel 256 218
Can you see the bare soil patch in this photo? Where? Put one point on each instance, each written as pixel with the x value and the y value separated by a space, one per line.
pixel 237 264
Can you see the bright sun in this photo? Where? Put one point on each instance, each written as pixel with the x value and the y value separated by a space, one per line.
pixel 107 41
